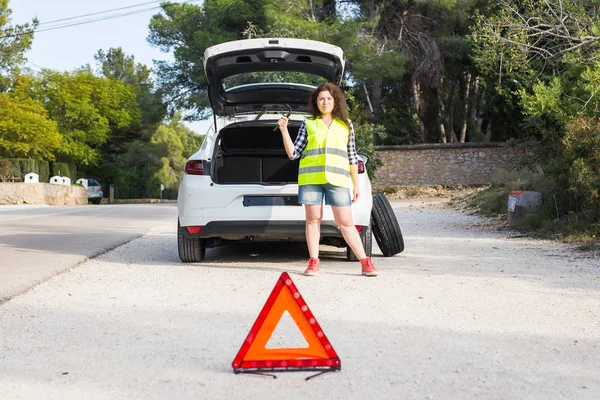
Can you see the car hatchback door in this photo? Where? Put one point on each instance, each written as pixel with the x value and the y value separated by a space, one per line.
pixel 246 76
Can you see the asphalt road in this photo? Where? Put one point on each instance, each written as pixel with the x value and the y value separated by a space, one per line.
pixel 38 242
pixel 465 312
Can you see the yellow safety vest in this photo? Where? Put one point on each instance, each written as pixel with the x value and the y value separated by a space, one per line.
pixel 325 158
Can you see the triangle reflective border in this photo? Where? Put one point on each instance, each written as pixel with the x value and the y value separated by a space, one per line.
pixel 254 356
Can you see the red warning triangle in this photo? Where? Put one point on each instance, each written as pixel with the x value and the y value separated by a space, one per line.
pixel 254 355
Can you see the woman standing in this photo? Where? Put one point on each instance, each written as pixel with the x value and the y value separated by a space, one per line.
pixel 328 167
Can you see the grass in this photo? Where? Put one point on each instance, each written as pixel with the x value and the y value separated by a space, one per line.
pixel 589 247
pixel 412 192
pixel 575 228
pixel 490 201
pixel 386 190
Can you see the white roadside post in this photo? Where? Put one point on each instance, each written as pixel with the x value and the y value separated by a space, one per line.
pixel 32 177
pixel 83 182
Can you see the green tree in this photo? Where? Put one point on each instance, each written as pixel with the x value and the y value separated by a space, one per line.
pixel 25 130
pixel 115 64
pixel 132 170
pixel 14 42
pixel 177 143
pixel 86 109
pixel 547 52
pixel 173 162
pixel 187 30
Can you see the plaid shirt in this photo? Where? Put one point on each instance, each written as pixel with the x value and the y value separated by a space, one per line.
pixel 302 140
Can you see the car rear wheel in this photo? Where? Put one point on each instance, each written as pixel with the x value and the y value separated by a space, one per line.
pixel 190 249
pixel 367 242
pixel 385 227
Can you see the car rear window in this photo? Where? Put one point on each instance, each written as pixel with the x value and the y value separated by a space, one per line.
pixel 247 78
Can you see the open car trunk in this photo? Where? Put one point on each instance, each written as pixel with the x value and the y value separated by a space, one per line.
pixel 252 152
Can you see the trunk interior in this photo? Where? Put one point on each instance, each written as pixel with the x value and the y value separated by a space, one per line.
pixel 254 153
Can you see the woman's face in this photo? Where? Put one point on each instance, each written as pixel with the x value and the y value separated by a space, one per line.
pixel 325 102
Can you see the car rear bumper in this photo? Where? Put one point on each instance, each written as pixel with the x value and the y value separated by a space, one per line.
pixel 201 202
pixel 263 230
pixel 95 195
pixel 260 230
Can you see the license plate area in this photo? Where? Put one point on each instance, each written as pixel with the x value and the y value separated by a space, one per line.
pixel 253 201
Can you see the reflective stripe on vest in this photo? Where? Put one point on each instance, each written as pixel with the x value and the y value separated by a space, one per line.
pixel 325 158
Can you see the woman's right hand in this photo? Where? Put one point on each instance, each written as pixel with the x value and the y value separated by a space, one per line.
pixel 282 124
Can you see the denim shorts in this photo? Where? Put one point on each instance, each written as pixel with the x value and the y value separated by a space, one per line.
pixel 334 195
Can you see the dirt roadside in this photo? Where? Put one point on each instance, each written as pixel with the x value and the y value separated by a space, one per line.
pixel 455 198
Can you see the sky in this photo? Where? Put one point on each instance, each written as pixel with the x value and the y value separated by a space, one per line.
pixel 72 47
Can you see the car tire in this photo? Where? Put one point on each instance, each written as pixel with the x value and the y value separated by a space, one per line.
pixel 190 249
pixel 367 242
pixel 385 227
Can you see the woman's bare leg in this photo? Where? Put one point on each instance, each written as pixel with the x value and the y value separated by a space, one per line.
pixel 344 220
pixel 314 215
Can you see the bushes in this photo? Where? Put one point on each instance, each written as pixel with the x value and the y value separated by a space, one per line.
pixel 563 165
pixel 491 201
pixel 64 169
pixel 494 200
pixel 555 218
pixel 19 167
pixel 363 137
pixel 7 170
pixel 582 156
pixel 570 159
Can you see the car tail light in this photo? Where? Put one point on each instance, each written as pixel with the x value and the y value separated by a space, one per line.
pixel 194 167
pixel 100 188
pixel 359 228
pixel 361 167
pixel 193 229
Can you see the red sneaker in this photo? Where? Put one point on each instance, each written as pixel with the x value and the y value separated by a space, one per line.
pixel 313 267
pixel 367 267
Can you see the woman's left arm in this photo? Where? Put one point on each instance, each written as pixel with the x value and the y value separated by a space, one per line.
pixel 354 175
pixel 353 158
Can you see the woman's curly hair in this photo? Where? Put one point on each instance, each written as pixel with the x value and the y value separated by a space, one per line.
pixel 339 109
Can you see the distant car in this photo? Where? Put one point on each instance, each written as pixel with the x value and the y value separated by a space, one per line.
pixel 95 193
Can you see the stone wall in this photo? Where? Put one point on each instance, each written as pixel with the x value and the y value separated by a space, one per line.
pixel 441 164
pixel 42 193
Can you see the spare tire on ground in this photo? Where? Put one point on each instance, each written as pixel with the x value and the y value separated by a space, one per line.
pixel 385 227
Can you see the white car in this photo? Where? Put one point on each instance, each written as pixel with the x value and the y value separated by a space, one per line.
pixel 95 192
pixel 240 185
